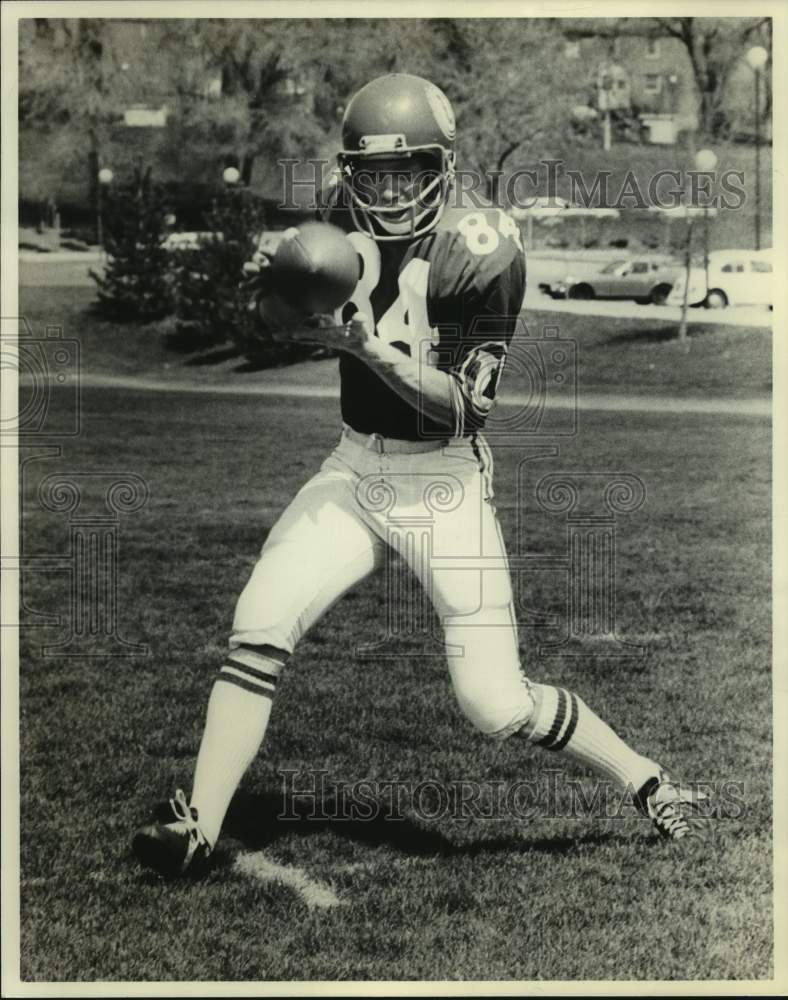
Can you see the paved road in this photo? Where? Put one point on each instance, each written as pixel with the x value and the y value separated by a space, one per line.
pixel 749 316
pixel 62 270
pixel 71 270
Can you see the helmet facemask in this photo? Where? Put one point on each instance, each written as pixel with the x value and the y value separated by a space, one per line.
pixel 428 173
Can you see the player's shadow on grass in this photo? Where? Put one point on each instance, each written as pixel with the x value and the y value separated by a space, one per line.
pixel 259 820
pixel 282 358
pixel 215 357
pixel 204 349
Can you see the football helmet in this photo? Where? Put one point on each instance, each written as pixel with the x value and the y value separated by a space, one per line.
pixel 408 121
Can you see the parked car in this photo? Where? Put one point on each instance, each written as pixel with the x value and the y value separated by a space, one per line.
pixel 185 241
pixel 642 279
pixel 268 240
pixel 736 278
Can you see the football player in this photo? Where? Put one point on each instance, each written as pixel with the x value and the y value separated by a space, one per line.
pixel 422 344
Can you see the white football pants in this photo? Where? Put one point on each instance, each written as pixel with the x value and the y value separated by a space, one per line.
pixel 434 509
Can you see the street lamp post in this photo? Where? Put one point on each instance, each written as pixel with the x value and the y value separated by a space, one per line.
pixel 706 161
pixel 231 176
pixel 687 276
pixel 605 88
pixel 673 82
pixel 105 177
pixel 757 58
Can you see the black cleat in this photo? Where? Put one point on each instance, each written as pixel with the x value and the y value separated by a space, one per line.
pixel 678 812
pixel 175 845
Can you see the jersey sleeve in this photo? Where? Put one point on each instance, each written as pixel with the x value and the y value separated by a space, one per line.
pixel 482 353
pixel 479 297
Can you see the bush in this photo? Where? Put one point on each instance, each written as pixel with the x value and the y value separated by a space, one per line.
pixel 135 284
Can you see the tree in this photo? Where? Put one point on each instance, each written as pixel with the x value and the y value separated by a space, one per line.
pixel 73 77
pixel 135 284
pixel 275 93
pixel 508 87
pixel 245 91
pixel 258 104
pixel 210 306
pixel 714 46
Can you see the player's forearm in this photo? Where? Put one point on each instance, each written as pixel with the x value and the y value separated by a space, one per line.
pixel 425 388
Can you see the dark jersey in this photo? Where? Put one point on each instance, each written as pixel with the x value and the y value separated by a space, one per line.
pixel 450 299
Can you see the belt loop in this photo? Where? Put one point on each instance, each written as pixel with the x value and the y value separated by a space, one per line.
pixel 376 442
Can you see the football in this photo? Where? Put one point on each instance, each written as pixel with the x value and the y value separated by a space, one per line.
pixel 315 267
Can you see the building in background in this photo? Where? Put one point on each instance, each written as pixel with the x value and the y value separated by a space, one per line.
pixel 650 74
pixel 643 74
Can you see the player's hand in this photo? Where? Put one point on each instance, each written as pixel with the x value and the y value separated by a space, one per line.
pixel 353 337
pixel 256 281
pixel 278 318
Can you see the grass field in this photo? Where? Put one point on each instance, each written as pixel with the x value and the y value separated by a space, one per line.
pixel 550 897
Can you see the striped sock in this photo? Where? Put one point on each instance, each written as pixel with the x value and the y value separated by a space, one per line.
pixel 562 721
pixel 238 713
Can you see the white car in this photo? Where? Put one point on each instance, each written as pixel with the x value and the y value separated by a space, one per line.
pixel 185 241
pixel 736 278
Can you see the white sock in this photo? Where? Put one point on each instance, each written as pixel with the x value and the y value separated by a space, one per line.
pixel 562 721
pixel 238 713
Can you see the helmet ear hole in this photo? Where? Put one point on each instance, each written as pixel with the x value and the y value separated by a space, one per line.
pixel 360 266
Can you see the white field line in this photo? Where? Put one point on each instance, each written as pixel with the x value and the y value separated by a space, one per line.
pixel 316 895
pixel 601 402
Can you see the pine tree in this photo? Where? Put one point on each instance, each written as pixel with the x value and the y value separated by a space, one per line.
pixel 136 284
pixel 210 307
